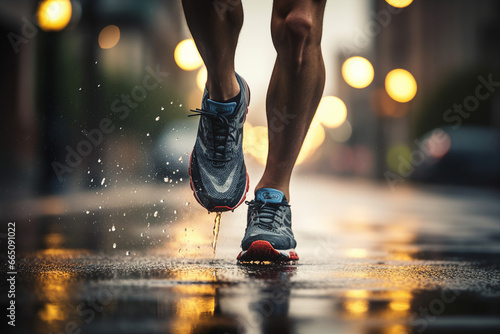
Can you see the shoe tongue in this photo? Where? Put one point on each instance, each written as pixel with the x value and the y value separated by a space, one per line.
pixel 269 195
pixel 225 109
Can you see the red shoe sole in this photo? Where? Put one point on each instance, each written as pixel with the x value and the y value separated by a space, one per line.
pixel 262 250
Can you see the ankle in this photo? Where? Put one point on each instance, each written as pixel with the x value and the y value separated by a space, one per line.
pixel 222 90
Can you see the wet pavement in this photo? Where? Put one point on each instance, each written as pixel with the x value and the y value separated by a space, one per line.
pixel 139 260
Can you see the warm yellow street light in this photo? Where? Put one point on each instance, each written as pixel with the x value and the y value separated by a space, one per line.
pixel 400 85
pixel 357 72
pixel 331 112
pixel 399 3
pixel 186 55
pixel 54 15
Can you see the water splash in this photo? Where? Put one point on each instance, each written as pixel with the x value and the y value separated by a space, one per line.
pixel 216 230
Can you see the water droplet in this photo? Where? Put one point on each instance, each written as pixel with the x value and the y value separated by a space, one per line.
pixel 167 163
pixel 100 207
pixel 98 85
pixel 180 179
pixel 171 102
pixel 187 203
pixel 180 105
pixel 99 160
pixel 127 253
pixel 113 228
pixel 142 234
pixel 163 231
pixel 103 180
pixel 157 118
pixel 161 201
pixel 114 244
pixel 162 108
pixel 80 88
pixel 147 134
pixel 87 212
pixel 155 214
pixel 95 63
pixel 165 179
pixel 175 212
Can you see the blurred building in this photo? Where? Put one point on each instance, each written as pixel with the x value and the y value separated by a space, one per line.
pixel 58 82
pixel 447 46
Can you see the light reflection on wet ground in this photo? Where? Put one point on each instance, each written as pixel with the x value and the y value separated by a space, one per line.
pixel 413 261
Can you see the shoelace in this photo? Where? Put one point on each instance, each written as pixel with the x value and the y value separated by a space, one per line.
pixel 269 214
pixel 221 128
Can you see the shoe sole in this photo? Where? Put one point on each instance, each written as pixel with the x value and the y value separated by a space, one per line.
pixel 191 184
pixel 262 250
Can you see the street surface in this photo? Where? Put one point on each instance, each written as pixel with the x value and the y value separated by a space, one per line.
pixel 139 260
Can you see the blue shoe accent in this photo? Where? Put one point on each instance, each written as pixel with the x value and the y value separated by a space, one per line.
pixel 218 175
pixel 268 195
pixel 269 219
pixel 225 109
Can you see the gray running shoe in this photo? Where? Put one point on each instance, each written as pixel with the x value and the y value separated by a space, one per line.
pixel 218 175
pixel 268 236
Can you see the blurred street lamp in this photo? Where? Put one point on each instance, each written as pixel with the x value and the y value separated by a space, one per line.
pixel 399 3
pixel 54 15
pixel 331 112
pixel 357 72
pixel 201 78
pixel 400 85
pixel 109 37
pixel 186 55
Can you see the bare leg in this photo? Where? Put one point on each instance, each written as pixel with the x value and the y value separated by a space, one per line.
pixel 215 27
pixel 296 86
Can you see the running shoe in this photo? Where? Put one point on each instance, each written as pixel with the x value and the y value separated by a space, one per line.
pixel 268 236
pixel 218 175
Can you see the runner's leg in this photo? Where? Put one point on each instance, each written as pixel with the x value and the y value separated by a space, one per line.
pixel 296 85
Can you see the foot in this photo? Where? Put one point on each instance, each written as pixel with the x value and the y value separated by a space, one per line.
pixel 269 235
pixel 218 174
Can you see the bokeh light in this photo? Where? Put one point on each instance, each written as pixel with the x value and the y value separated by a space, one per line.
pixel 438 144
pixel 342 133
pixel 201 78
pixel 331 112
pixel 398 156
pixel 109 37
pixel 54 15
pixel 357 72
pixel 399 3
pixel 314 138
pixel 186 55
pixel 400 85
pixel 255 142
